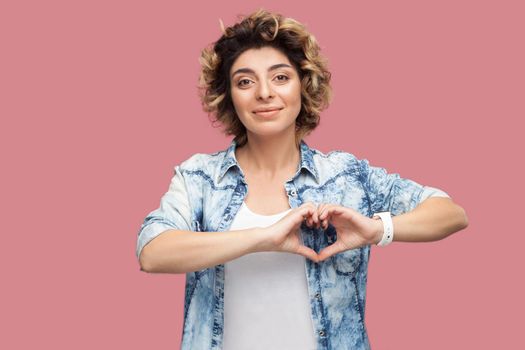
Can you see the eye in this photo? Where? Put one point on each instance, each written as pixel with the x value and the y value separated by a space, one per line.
pixel 239 83
pixel 282 76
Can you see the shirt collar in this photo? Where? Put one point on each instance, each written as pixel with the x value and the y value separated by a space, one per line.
pixel 307 161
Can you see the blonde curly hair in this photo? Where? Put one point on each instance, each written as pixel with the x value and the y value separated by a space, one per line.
pixel 259 29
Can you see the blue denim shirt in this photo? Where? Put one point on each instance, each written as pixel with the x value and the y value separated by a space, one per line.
pixel 205 194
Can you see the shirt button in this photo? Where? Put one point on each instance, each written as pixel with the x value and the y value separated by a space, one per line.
pixel 318 296
pixel 293 193
pixel 321 333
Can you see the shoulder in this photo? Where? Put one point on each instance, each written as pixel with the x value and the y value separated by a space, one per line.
pixel 205 162
pixel 336 162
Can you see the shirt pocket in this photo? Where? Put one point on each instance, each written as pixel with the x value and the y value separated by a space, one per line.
pixel 345 263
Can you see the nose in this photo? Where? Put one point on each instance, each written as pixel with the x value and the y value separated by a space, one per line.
pixel 264 90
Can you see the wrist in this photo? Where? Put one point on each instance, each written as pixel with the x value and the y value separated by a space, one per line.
pixel 387 235
pixel 259 239
pixel 378 230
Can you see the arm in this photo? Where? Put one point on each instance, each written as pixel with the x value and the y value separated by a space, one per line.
pixel 181 251
pixel 421 213
pixel 178 251
pixel 433 219
pixel 169 242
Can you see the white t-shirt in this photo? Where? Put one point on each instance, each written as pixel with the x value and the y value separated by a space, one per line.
pixel 266 302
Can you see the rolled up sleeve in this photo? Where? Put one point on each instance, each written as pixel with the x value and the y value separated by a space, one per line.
pixel 429 191
pixel 390 192
pixel 174 212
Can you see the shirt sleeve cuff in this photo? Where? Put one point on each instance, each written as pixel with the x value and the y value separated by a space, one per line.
pixel 432 192
pixel 149 232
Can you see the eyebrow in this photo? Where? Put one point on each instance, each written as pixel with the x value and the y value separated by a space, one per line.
pixel 248 70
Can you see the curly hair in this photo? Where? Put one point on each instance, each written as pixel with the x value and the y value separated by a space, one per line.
pixel 259 29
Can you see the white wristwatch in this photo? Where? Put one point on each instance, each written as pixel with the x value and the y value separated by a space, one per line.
pixel 388 228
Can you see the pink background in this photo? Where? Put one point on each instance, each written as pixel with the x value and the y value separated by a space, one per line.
pixel 98 103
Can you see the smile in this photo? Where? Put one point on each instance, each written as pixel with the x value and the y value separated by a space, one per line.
pixel 268 113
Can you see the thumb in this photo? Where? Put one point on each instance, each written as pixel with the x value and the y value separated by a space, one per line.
pixel 308 253
pixel 330 250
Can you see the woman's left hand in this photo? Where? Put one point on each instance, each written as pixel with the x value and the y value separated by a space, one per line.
pixel 353 229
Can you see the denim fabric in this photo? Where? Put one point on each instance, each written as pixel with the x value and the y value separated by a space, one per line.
pixel 205 194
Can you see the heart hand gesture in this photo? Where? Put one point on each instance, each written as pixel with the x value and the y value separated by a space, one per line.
pixel 353 229
pixel 285 236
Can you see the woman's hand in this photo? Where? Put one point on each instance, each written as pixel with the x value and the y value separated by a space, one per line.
pixel 285 236
pixel 353 229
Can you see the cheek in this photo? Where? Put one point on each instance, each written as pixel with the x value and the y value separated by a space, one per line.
pixel 295 100
pixel 293 94
pixel 240 101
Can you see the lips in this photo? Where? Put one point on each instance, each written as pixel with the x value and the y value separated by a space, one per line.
pixel 267 110
pixel 268 113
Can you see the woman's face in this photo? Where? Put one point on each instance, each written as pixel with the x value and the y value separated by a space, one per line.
pixel 266 92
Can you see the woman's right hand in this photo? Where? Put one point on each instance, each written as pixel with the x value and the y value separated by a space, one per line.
pixel 285 235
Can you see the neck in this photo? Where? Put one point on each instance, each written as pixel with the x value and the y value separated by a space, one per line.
pixel 269 157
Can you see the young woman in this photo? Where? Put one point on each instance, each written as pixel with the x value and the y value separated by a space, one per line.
pixel 275 236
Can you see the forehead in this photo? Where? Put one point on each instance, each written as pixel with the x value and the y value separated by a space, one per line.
pixel 259 58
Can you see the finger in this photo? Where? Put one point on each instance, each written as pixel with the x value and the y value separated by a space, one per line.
pixel 311 212
pixel 306 212
pixel 346 211
pixel 298 216
pixel 320 209
pixel 329 251
pixel 310 219
pixel 326 210
pixel 308 253
pixel 316 216
pixel 325 216
pixel 331 210
pixel 309 204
